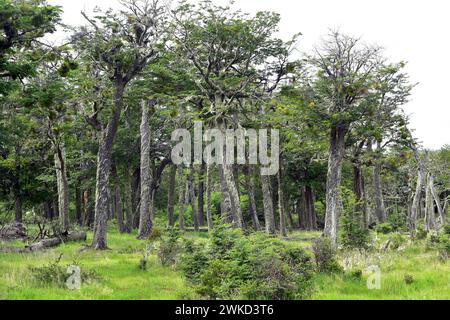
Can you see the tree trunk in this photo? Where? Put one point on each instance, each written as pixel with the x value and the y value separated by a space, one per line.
pixel 437 200
pixel 63 187
pixel 311 219
pixel 380 210
pixel 269 215
pixel 171 195
pixel 88 208
pixel 193 200
pixel 281 208
pixel 209 171
pixel 17 191
pixel 128 201
pixel 103 171
pixel 145 221
pixel 251 197
pixel 201 195
pixel 417 197
pixel 118 201
pixel 225 202
pixel 78 205
pixel 337 150
pixel 182 199
pixel 429 210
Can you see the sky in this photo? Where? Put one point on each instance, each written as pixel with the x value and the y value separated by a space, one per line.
pixel 414 31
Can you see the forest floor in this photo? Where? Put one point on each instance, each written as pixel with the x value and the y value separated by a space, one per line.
pixel 119 275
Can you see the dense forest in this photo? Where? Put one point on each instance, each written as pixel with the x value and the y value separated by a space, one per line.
pixel 87 150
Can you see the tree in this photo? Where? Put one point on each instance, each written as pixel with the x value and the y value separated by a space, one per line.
pixel 344 77
pixel 119 45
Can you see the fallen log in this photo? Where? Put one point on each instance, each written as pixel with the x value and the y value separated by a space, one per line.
pixel 47 243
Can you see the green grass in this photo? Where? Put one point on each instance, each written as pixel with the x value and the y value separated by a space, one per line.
pixel 121 278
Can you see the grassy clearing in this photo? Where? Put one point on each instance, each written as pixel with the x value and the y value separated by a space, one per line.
pixel 121 278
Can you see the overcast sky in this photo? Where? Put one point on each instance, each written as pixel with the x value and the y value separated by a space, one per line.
pixel 415 31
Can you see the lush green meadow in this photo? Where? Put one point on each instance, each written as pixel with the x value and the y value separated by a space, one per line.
pixel 119 275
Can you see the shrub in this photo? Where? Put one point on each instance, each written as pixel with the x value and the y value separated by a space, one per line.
pixel 56 274
pixel 384 228
pixel 353 233
pixel 420 233
pixel 409 279
pixel 356 274
pixel 325 256
pixel 440 242
pixel 170 248
pixel 396 241
pixel 255 267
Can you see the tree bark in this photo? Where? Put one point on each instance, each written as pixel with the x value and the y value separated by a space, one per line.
pixel 118 201
pixel 182 199
pixel 16 188
pixel 145 221
pixel 437 200
pixel 225 201
pixel 171 196
pixel 78 204
pixel 209 218
pixel 103 171
pixel 337 150
pixel 429 210
pixel 251 197
pixel 201 195
pixel 281 207
pixel 417 197
pixel 269 215
pixel 380 210
pixel 128 202
pixel 193 200
pixel 311 217
pixel 63 187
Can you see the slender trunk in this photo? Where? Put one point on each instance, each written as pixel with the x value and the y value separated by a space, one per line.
pixel 311 219
pixel 118 201
pixel 171 195
pixel 103 171
pixel 201 195
pixel 88 208
pixel 128 201
pixel 17 191
pixel 301 210
pixel 251 197
pixel 78 204
pixel 145 221
pixel 281 208
pixel 181 199
pixel 337 150
pixel 63 187
pixel 209 171
pixel 269 215
pixel 225 202
pixel 193 200
pixel 417 197
pixel 437 200
pixel 380 210
pixel 429 210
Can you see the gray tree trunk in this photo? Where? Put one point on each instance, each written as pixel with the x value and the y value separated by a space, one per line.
pixel 146 207
pixel 193 200
pixel 171 195
pixel 201 195
pixel 63 187
pixel 251 197
pixel 108 135
pixel 437 200
pixel 380 209
pixel 337 150
pixel 429 210
pixel 225 201
pixel 269 215
pixel 417 197
pixel 118 201
pixel 209 171
pixel 181 199
pixel 281 207
pixel 128 201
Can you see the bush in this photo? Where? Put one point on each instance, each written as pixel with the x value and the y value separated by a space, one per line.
pixel 384 228
pixel 396 241
pixel 170 248
pixel 356 274
pixel 56 274
pixel 353 233
pixel 254 267
pixel 409 279
pixel 325 256
pixel 420 233
pixel 440 242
